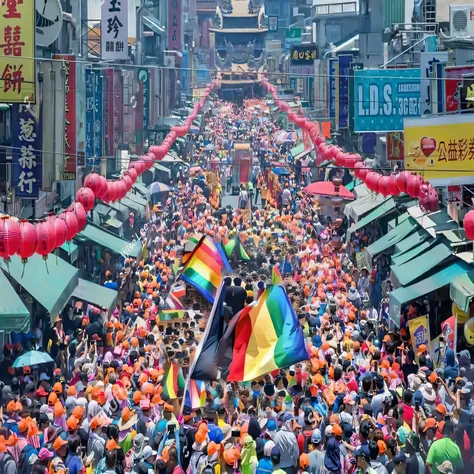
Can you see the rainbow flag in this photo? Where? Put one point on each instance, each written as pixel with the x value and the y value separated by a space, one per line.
pixel 276 276
pixel 236 247
pixel 205 267
pixel 195 394
pixel 170 314
pixel 267 336
pixel 173 381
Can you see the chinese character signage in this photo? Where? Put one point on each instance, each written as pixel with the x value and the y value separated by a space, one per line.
pixel 272 23
pixel 17 51
pixel 118 109
pixel 70 130
pixel 343 90
pixel 303 55
pixel 350 110
pixel 333 65
pixel 27 154
pixel 175 19
pixel 90 76
pixel 98 115
pixel 431 72
pixel 441 148
pixel 384 97
pixel 114 29
pixel 144 78
pixel 452 86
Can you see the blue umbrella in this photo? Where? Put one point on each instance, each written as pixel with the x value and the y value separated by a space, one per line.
pixel 32 358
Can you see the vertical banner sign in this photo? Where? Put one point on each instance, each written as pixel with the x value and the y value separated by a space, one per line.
pixel 118 109
pixel 27 150
pixel 80 114
pixel 139 120
pixel 90 117
pixel 98 115
pixel 175 15
pixel 449 331
pixel 345 61
pixel 428 63
pixel 419 332
pixel 17 51
pixel 336 95
pixel 332 88
pixel 105 116
pixel 114 29
pixel 144 78
pixel 395 146
pixel 452 86
pixel 70 142
pixel 109 112
pixel 353 67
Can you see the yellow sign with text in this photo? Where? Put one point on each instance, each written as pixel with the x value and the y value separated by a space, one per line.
pixel 419 333
pixel 17 51
pixel 440 147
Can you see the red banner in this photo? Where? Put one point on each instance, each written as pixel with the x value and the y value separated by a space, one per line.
pixel 395 146
pixel 449 331
pixel 175 20
pixel 70 141
pixel 453 85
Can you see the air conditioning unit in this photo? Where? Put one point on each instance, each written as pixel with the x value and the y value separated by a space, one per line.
pixel 461 21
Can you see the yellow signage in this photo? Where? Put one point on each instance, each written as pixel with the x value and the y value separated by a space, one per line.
pixel 440 147
pixel 17 51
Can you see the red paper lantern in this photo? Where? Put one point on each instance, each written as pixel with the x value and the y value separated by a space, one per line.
pixel 80 214
pixel 159 152
pixel 402 181
pixel 383 186
pixel 46 235
pixel 72 224
pixel 140 166
pixel 86 197
pixel 132 172
pixel 28 240
pixel 104 186
pixel 469 225
pixel 363 173
pixel 300 121
pixel 128 181
pixel 60 229
pixel 121 188
pixel 112 192
pixel 428 198
pixel 10 237
pixel 148 160
pixel 357 167
pixel 94 183
pixel 350 161
pixel 392 185
pixel 372 181
pixel 414 183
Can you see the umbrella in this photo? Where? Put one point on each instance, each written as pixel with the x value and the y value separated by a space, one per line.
pixel 285 136
pixel 32 358
pixel 280 171
pixel 327 188
pixel 210 147
pixel 157 187
pixel 194 128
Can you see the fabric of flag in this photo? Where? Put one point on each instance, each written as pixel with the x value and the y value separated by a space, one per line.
pixel 173 303
pixel 276 276
pixel 268 336
pixel 170 314
pixel 205 267
pixel 173 381
pixel 236 248
pixel 195 394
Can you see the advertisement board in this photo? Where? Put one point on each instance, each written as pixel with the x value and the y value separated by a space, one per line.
pixel 303 55
pixel 345 61
pixel 175 19
pixel 430 64
pixel 452 86
pixel 384 97
pixel 114 29
pixel 441 148
pixel 292 36
pixel 332 88
pixel 395 146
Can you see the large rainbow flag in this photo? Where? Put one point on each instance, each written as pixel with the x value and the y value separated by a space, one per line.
pixel 268 336
pixel 205 267
pixel 173 381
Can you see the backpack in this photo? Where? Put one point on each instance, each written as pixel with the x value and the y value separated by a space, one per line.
pixel 6 459
pixel 187 436
pixel 211 468
pixel 24 465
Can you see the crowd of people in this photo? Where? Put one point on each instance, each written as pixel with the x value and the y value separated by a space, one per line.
pixel 365 400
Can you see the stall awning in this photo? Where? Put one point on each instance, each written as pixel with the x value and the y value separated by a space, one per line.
pixel 461 290
pixel 153 23
pixel 95 294
pixel 378 212
pixel 401 258
pixel 363 205
pixel 280 171
pixel 51 286
pixel 72 250
pixel 398 220
pixel 411 241
pixel 138 199
pixel 161 168
pixel 296 150
pixel 439 221
pixel 391 238
pixel 423 287
pixel 110 241
pixel 13 313
pixel 139 209
pixel 142 189
pixel 361 190
pixel 421 265
pixel 353 184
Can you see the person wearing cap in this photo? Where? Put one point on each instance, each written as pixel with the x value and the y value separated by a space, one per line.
pixel 265 465
pixel 400 464
pixel 96 443
pixel 276 460
pixel 316 456
pixel 149 456
pixel 362 457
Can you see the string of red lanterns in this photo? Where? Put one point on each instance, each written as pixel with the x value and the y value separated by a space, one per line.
pixel 395 184
pixel 24 238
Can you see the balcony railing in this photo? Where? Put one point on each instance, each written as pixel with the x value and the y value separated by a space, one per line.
pixel 335 8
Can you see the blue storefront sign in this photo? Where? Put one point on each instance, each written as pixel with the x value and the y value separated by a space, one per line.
pixel 99 113
pixel 345 61
pixel 332 87
pixel 27 150
pixel 90 76
pixel 383 98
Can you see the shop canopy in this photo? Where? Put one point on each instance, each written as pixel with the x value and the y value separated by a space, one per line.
pixel 361 190
pixel 327 188
pixel 461 290
pixel 161 168
pixel 72 250
pixel 363 205
pixel 439 221
pixel 419 236
pixel 138 199
pixel 398 220
pixel 14 316
pixel 109 241
pixel 51 283
pixel 353 184
pixel 96 295
pixel 421 265
pixel 142 189
pixel 138 209
pixel 296 150
pixel 423 287
pixel 403 257
pixel 280 171
pixel 378 212
pixel 391 238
